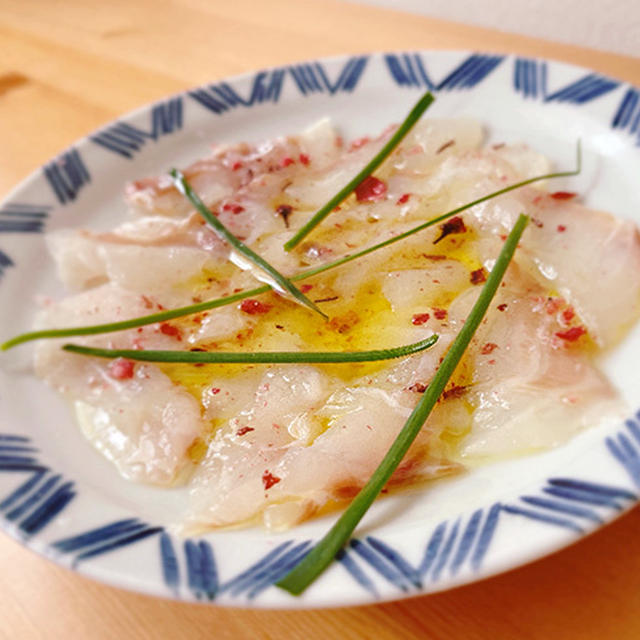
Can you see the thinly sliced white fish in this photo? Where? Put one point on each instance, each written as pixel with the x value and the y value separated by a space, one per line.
pixel 531 389
pixel 286 442
pixel 413 289
pixel 171 272
pixel 76 261
pixel 145 425
pixel 297 445
pixel 143 422
pixel 238 170
pixel 590 258
pixel 415 155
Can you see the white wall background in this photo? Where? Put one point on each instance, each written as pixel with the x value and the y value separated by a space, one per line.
pixel 610 25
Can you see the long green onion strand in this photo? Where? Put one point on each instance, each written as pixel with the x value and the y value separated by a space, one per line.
pixel 164 316
pixel 140 321
pixel 322 554
pixel 265 357
pixel 184 187
pixel 414 115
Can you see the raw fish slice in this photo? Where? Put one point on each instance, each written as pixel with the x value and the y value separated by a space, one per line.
pixel 294 449
pixel 133 414
pixel 232 169
pixel 243 452
pixel 590 258
pixel 84 261
pixel 533 386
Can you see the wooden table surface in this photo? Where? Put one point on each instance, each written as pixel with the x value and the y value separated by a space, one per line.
pixel 69 66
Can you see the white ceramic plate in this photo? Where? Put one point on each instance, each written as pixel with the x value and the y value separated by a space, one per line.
pixel 61 498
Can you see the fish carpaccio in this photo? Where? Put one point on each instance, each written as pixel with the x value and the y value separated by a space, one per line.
pixel 279 443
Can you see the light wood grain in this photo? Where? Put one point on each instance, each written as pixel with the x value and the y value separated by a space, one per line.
pixel 67 68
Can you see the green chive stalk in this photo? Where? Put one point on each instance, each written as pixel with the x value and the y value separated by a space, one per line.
pixel 263 357
pixel 414 115
pixel 323 553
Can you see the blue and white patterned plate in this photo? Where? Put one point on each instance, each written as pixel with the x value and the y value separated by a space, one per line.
pixel 62 499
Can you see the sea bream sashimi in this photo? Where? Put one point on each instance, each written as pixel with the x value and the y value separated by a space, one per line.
pixel 522 387
pixel 278 443
pixel 133 414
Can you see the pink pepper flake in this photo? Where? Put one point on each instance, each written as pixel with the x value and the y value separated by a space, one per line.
pixel 243 431
pixel 572 334
pixel 440 314
pixel 488 348
pixel 304 158
pixel 568 314
pixel 236 166
pixel 214 391
pixel 305 288
pixel 404 198
pixel 561 228
pixel 170 330
pixel 359 142
pixel 371 189
pixel 234 208
pixel 121 369
pixel 453 225
pixel 420 318
pixel 286 162
pixel 268 480
pixel 457 391
pixel 563 195
pixel 478 276
pixel 254 307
